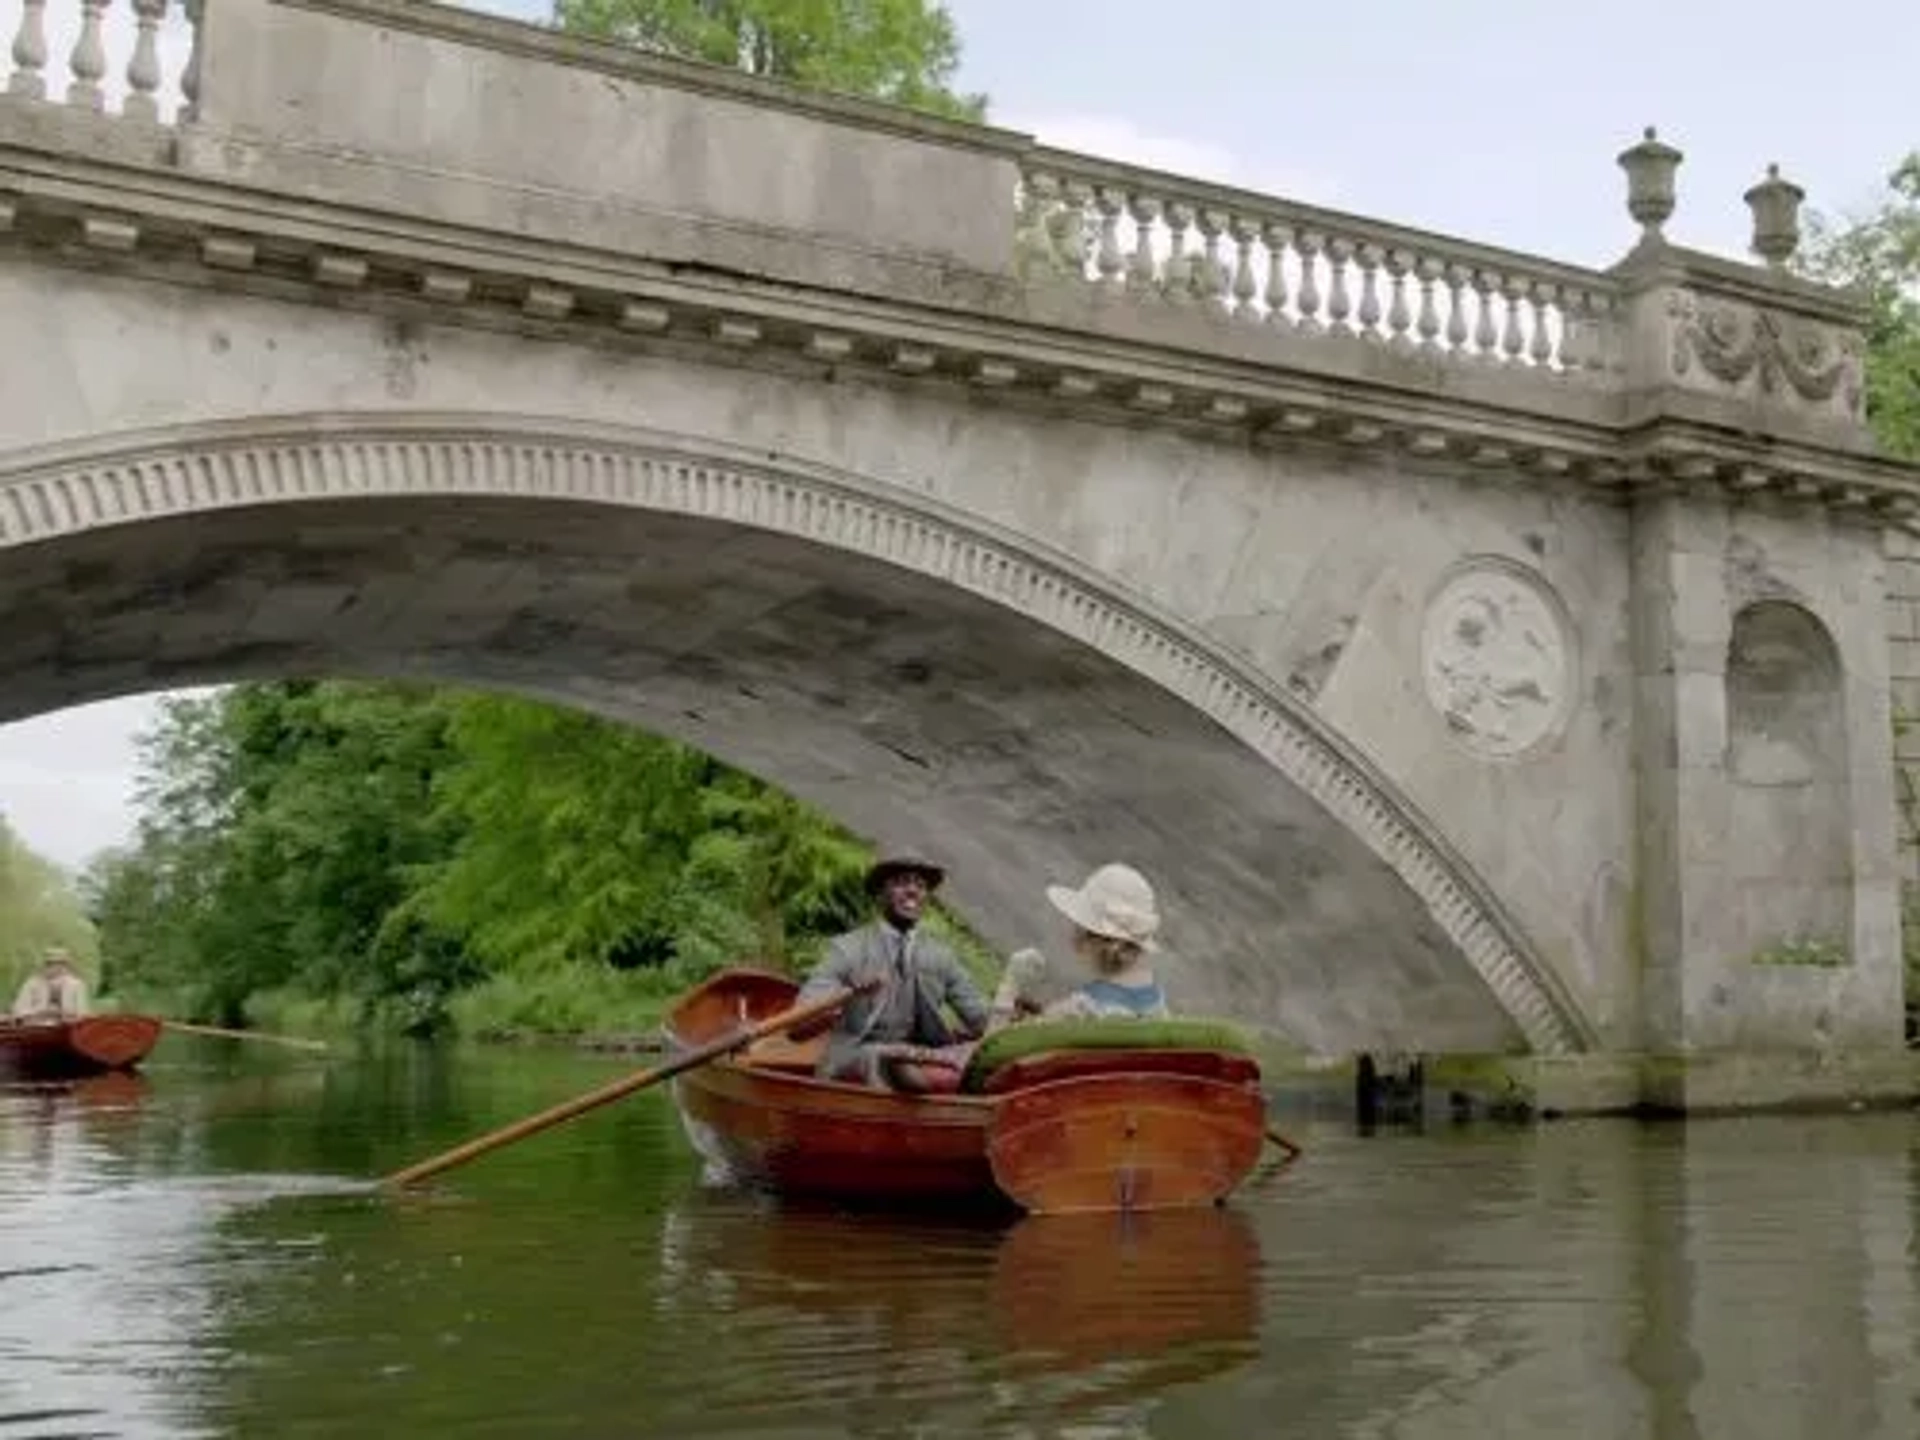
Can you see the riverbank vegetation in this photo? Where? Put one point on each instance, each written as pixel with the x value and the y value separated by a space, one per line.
pixel 314 855
pixel 38 909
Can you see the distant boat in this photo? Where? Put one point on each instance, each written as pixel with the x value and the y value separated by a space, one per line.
pixel 1076 1128
pixel 68 1049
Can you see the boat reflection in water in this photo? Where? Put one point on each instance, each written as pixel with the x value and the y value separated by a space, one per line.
pixel 1074 1321
pixel 34 1114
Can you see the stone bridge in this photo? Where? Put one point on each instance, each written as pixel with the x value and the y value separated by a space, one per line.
pixel 1481 653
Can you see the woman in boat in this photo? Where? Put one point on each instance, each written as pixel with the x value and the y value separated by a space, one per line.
pixel 1115 919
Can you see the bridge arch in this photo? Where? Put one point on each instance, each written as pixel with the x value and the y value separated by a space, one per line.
pixel 62 506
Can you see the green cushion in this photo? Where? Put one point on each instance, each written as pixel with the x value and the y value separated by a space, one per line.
pixel 1105 1032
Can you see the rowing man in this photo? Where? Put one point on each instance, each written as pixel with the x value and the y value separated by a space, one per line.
pixel 53 992
pixel 878 1034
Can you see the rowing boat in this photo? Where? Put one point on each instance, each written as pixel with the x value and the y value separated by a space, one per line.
pixel 1085 1127
pixel 68 1049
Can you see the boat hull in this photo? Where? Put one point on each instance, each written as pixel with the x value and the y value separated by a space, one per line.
pixel 822 1140
pixel 72 1049
pixel 1120 1131
pixel 1125 1141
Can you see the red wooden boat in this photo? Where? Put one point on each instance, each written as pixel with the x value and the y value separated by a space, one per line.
pixel 68 1049
pixel 1055 1131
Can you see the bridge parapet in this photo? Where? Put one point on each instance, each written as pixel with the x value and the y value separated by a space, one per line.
pixel 1259 261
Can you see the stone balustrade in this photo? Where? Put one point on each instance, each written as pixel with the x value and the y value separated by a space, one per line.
pixel 1264 261
pixel 832 193
pixel 134 58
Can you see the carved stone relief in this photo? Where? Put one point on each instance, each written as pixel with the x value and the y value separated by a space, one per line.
pixel 1495 657
pixel 1731 342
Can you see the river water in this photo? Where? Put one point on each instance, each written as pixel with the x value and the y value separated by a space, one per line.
pixel 196 1253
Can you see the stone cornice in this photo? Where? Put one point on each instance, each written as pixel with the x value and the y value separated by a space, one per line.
pixel 1652 266
pixel 1057 350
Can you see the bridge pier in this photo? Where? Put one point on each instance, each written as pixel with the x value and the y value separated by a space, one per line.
pixel 1768 853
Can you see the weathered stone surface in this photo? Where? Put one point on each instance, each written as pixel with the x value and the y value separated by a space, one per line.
pixel 1321 950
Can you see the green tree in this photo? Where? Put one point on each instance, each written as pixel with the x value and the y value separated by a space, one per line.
pixel 1880 254
pixel 426 855
pixel 903 51
pixel 39 907
pixel 280 825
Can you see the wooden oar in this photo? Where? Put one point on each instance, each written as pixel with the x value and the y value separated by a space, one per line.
pixel 639 1080
pixel 1293 1150
pixel 225 1034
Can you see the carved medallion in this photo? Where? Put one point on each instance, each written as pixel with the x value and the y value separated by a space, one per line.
pixel 1494 653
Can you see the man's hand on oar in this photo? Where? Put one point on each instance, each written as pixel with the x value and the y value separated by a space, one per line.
pixel 639 1080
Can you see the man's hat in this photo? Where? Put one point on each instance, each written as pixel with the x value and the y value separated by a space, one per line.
pixel 885 870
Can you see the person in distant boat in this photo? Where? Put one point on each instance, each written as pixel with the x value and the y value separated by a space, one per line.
pixel 53 992
pixel 896 1034
pixel 1115 918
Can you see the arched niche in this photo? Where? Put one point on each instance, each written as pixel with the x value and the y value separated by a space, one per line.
pixel 1790 824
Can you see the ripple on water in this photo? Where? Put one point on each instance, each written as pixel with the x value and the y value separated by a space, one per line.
pixel 206 1262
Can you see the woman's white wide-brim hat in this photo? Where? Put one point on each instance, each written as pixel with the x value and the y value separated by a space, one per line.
pixel 1116 901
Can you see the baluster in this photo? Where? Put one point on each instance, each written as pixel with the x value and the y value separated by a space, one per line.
pixel 1399 317
pixel 1457 277
pixel 1339 302
pixel 190 74
pixel 1370 308
pixel 1542 296
pixel 1144 209
pixel 1031 232
pixel 1245 287
pixel 1573 331
pixel 1112 264
pixel 1429 270
pixel 1178 278
pixel 1067 227
pixel 1512 342
pixel 1308 244
pixel 1607 337
pixel 88 62
pixel 1485 336
pixel 30 52
pixel 143 70
pixel 1279 240
pixel 1216 277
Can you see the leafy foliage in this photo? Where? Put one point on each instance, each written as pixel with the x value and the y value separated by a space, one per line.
pixel 433 855
pixel 1880 254
pixel 903 51
pixel 39 908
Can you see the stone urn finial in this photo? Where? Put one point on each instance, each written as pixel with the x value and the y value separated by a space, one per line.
pixel 1650 168
pixel 1776 218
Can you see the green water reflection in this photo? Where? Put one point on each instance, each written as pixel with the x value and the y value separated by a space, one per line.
pixel 197 1254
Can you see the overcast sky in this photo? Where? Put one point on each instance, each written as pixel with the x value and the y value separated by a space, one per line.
pixel 1492 119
